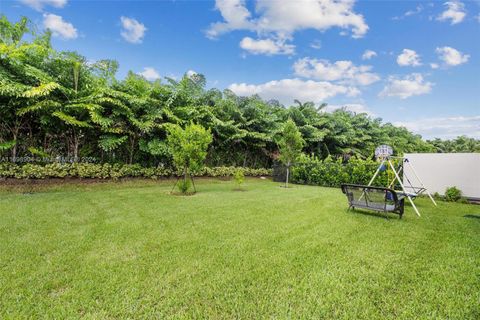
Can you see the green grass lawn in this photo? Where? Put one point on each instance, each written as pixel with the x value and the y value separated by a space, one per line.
pixel 131 250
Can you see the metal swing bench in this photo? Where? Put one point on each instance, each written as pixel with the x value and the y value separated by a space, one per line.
pixel 377 199
pixel 386 199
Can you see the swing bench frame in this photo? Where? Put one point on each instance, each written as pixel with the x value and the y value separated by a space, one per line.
pixel 416 191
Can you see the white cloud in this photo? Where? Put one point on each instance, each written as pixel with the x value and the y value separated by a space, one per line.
pixel 342 71
pixel 266 46
pixel 39 4
pixel 235 15
pixel 368 54
pixel 279 19
pixel 409 13
pixel 150 74
pixel 287 90
pixel 455 12
pixel 353 107
pixel 451 56
pixel 417 10
pixel 133 31
pixel 316 44
pixel 289 16
pixel 408 58
pixel 444 127
pixel 410 85
pixel 59 27
pixel 434 65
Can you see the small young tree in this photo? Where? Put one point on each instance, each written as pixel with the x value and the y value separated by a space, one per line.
pixel 189 150
pixel 290 145
pixel 239 177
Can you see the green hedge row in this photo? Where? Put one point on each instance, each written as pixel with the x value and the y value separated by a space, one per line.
pixel 332 173
pixel 110 171
pixel 309 170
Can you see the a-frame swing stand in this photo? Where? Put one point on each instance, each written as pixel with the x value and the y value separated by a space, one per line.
pixel 189 177
pixel 416 191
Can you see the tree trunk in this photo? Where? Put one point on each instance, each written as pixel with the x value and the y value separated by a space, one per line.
pixel 75 151
pixel 288 173
pixel 185 177
pixel 45 142
pixel 67 146
pixel 14 149
pixel 76 142
pixel 193 183
pixel 132 146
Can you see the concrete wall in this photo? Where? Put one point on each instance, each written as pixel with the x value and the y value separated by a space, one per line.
pixel 441 170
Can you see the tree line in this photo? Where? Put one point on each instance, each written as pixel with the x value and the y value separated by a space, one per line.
pixel 57 104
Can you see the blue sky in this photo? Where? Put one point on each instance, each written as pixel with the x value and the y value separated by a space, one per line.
pixel 413 63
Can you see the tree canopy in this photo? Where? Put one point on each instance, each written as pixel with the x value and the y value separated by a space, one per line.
pixel 188 147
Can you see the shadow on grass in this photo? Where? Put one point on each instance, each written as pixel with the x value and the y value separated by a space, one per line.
pixel 372 214
pixel 472 216
pixel 183 194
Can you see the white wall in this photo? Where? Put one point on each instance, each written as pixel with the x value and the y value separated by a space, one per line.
pixel 441 170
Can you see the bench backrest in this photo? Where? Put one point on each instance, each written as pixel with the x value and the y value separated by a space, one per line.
pixel 369 196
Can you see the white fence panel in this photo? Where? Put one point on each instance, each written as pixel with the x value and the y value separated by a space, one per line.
pixel 441 170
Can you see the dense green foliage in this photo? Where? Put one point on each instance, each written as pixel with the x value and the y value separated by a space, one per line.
pixel 112 171
pixel 60 105
pixel 130 251
pixel 453 194
pixel 460 144
pixel 332 173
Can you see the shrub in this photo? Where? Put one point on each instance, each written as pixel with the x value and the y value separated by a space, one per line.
pixel 239 177
pixel 453 194
pixel 333 172
pixel 109 171
pixel 183 185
